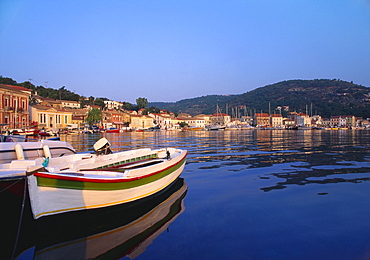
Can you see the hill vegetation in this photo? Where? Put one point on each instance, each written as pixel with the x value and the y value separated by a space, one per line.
pixel 320 96
pixel 194 106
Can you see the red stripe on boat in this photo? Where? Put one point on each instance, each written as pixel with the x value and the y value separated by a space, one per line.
pixel 84 179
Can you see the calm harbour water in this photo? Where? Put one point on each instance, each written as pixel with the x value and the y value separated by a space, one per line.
pixel 255 194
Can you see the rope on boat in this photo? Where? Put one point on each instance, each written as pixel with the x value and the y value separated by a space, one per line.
pixel 15 182
pixel 20 218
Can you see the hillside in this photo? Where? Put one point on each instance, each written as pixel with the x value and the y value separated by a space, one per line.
pixel 319 96
pixel 194 106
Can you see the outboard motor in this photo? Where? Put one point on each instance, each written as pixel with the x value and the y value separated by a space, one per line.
pixel 102 146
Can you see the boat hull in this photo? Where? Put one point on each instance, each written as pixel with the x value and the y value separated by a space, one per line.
pixel 127 235
pixel 32 149
pixel 54 193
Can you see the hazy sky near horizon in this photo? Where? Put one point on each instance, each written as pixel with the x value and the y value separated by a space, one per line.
pixel 172 50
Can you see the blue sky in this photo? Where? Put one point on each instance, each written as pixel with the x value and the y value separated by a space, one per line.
pixel 172 50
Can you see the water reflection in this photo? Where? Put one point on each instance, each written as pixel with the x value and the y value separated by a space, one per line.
pixel 300 153
pixel 266 194
pixel 109 233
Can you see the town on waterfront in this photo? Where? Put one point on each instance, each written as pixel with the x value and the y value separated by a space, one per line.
pixel 24 112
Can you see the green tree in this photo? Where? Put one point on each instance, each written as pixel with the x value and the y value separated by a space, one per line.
pixel 7 81
pixel 183 124
pixel 100 102
pixel 141 102
pixel 94 116
pixel 151 110
pixel 83 101
pixel 128 106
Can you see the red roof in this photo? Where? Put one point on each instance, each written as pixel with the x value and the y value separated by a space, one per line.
pixel 220 114
pixel 262 115
pixel 15 87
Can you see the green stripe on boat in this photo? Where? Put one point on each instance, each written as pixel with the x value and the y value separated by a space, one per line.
pixel 86 185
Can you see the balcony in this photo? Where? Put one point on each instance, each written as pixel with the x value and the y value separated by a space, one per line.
pixel 21 110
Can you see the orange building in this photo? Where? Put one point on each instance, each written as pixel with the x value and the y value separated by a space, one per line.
pixel 262 119
pixel 14 110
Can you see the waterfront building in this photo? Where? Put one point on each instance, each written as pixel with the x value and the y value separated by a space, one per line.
pixel 163 120
pixel 326 122
pixel 317 121
pixel 350 120
pixel 115 119
pixel 50 117
pixel 261 119
pixel 220 119
pixel 193 121
pixel 288 123
pixel 14 109
pixel 276 120
pixel 301 119
pixel 78 116
pixel 337 121
pixel 78 121
pixel 206 118
pixel 360 122
pixel 141 121
pixel 247 119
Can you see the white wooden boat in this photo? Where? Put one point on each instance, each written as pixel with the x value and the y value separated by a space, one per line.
pixel 88 181
pixel 215 127
pixel 119 234
pixel 20 148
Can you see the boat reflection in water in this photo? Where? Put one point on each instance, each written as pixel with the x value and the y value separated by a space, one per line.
pixel 111 233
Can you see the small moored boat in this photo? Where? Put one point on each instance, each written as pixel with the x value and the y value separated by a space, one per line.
pixel 88 181
pixel 18 147
pixel 101 233
pixel 112 130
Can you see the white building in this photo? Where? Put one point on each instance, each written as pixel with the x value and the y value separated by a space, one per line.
pixel 163 120
pixel 193 121
pixel 70 104
pixel 109 104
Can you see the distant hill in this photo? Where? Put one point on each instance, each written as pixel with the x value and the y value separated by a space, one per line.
pixel 195 106
pixel 320 96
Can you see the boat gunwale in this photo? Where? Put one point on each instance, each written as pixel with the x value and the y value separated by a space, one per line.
pixel 41 149
pixel 114 179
